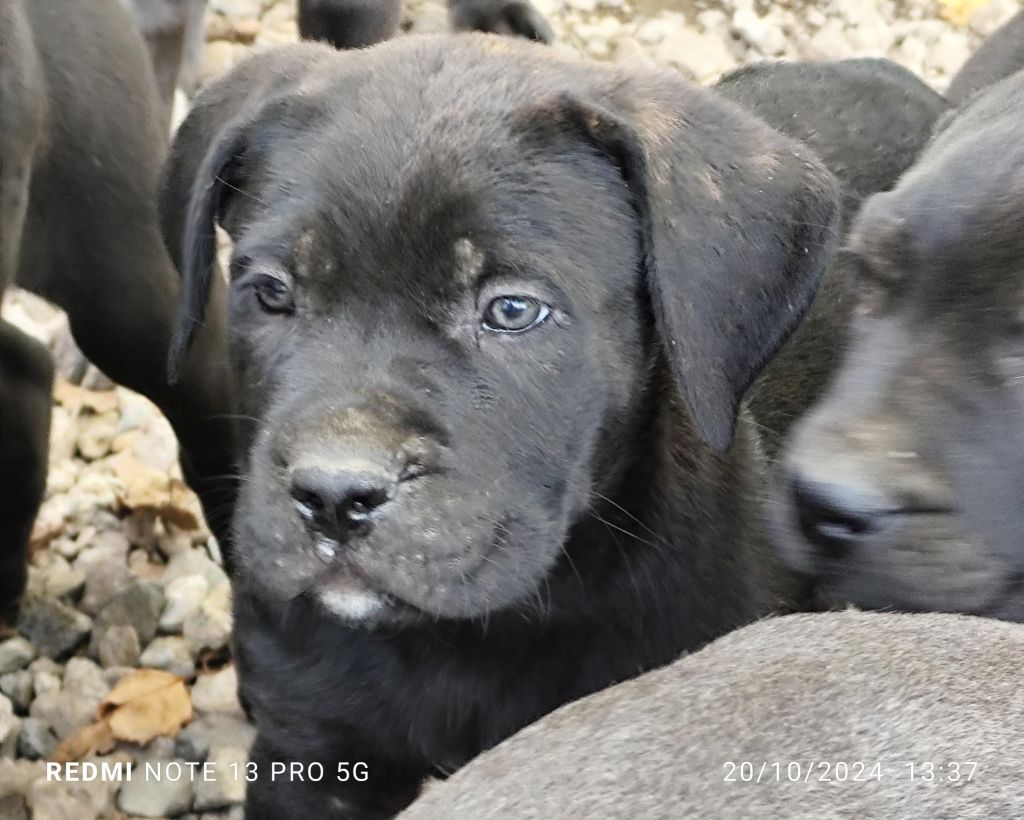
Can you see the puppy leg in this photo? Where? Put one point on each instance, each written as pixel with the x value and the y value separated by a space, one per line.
pixel 349 23
pixel 515 17
pixel 380 793
pixel 26 380
pixel 163 24
pixel 192 56
pixel 122 312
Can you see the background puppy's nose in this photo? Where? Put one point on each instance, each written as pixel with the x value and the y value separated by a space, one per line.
pixel 337 503
pixel 835 516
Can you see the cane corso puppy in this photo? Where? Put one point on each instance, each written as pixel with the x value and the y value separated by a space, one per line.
pixel 494 312
pixel 1001 55
pixel 904 488
pixel 839 714
pixel 867 120
pixel 80 154
pixel 359 23
pixel 173 31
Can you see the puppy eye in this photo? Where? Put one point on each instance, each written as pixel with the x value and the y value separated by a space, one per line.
pixel 514 314
pixel 274 294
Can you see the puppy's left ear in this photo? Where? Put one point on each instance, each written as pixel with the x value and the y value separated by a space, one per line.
pixel 737 224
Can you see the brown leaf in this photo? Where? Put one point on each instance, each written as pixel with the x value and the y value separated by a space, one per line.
pixel 146 703
pixel 143 488
pixel 96 738
pixel 959 12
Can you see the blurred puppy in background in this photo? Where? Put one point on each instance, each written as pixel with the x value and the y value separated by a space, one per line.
pixel 359 23
pixel 904 488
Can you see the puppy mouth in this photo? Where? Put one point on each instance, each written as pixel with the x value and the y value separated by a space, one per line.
pixel 912 560
pixel 349 594
pixel 358 584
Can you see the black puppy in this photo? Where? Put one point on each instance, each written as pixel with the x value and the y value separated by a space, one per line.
pixel 78 225
pixel 1000 55
pixel 867 120
pixel 495 313
pixel 903 489
pixel 359 23
pixel 173 31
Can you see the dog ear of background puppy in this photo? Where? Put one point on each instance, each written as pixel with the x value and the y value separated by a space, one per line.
pixel 736 221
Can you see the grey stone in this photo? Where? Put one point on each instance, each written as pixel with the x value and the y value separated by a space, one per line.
pixel 119 646
pixel 10 726
pixel 16 776
pixel 165 790
pixel 63 800
pixel 67 709
pixel 112 674
pixel 210 626
pixel 224 789
pixel 194 562
pixel 137 605
pixel 18 687
pixel 106 570
pixel 85 678
pixel 54 628
pixel 35 741
pixel 209 731
pixel 15 653
pixel 217 692
pixel 171 653
pixel 60 579
pixel 13 807
pixel 183 596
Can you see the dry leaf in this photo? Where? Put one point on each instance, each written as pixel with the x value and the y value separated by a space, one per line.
pixel 959 12
pixel 143 488
pixel 146 703
pixel 96 738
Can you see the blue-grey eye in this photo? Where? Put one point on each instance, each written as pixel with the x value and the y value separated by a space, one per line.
pixel 515 314
pixel 274 294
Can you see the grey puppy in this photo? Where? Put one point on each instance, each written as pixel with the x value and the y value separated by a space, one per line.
pixel 903 488
pixel 495 312
pixel 1000 55
pixel 173 31
pixel 360 23
pixel 78 225
pixel 835 715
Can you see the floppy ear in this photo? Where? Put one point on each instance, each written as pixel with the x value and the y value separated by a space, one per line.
pixel 209 161
pixel 737 223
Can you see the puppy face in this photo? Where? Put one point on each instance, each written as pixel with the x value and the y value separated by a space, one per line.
pixel 452 347
pixel 457 263
pixel 903 488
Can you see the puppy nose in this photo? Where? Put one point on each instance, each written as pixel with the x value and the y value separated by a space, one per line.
pixel 835 516
pixel 339 503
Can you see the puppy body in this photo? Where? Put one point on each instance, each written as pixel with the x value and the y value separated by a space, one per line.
pixel 867 120
pixel 447 528
pixel 360 23
pixel 78 225
pixel 902 488
pixel 829 715
pixel 1000 55
pixel 173 31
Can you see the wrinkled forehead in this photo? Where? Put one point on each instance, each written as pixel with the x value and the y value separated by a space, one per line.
pixel 955 223
pixel 429 190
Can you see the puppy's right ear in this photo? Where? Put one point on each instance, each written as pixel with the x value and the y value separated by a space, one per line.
pixel 210 160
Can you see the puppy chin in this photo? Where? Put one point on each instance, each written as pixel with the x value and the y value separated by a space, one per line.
pixel 354 606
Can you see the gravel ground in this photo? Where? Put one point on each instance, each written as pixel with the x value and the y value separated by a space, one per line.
pixel 125 575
